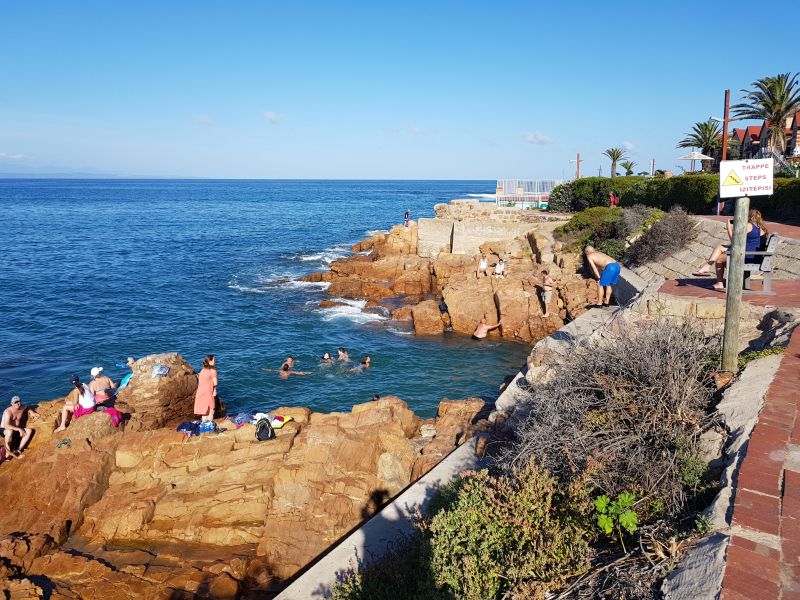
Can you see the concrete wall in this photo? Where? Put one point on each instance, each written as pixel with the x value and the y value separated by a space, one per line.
pixel 465 236
pixel 432 236
pixel 469 235
pixel 475 210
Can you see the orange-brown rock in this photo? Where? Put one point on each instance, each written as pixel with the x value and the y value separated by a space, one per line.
pixel 468 301
pixel 317 277
pixel 402 314
pixel 159 401
pixel 427 318
pixel 153 514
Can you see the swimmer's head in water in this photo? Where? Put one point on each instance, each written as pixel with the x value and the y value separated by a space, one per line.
pixel 326 356
pixel 366 360
pixel 285 367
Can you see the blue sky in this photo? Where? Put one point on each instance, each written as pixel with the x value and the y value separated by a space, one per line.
pixel 406 90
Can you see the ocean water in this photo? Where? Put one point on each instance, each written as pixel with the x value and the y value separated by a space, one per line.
pixel 97 270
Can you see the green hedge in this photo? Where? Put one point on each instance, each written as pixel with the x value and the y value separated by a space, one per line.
pixel 696 193
pixel 784 204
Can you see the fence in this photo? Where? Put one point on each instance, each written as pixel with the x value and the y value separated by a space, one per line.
pixel 526 193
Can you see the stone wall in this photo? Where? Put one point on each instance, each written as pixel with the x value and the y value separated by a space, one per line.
pixel 464 237
pixel 475 210
pixel 711 233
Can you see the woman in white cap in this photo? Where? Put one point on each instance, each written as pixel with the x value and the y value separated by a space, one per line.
pixel 102 387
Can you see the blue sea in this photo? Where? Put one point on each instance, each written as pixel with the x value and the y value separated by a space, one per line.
pixel 97 270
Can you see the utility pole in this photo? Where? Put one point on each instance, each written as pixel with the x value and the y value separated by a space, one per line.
pixel 733 301
pixel 652 167
pixel 577 162
pixel 725 121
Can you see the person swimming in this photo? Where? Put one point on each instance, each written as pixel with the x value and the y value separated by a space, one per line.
pixel 343 355
pixel 326 358
pixel 365 364
pixel 286 370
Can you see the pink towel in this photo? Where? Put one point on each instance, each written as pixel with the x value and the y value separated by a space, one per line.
pixel 114 415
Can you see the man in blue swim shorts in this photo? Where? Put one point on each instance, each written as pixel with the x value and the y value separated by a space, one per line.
pixel 597 260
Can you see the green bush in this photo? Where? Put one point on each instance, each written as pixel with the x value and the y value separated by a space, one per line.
pixel 561 198
pixel 594 191
pixel 747 357
pixel 614 248
pixel 783 205
pixel 591 219
pixel 696 193
pixel 506 532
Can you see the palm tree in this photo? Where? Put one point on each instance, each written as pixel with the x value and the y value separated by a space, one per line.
pixel 628 166
pixel 615 154
pixel 704 135
pixel 772 99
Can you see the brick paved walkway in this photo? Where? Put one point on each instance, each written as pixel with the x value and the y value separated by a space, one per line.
pixel 787 292
pixel 764 554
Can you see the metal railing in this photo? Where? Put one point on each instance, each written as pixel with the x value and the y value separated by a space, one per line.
pixel 781 166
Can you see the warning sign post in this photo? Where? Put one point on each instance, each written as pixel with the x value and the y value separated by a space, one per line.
pixel 740 178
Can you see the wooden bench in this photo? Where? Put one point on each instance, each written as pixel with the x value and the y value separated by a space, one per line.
pixel 764 267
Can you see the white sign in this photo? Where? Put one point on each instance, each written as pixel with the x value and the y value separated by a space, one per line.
pixel 739 178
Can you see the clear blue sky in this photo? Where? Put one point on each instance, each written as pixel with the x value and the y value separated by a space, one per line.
pixel 472 90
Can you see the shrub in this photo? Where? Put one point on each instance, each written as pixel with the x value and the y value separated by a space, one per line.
pixel 637 218
pixel 665 237
pixel 747 357
pixel 696 193
pixel 784 204
pixel 593 191
pixel 629 402
pixel 507 531
pixel 561 198
pixel 614 248
pixel 591 219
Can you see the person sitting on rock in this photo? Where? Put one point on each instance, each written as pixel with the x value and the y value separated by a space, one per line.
pixel 483 329
pixel 101 385
pixel 343 355
pixel 483 266
pixel 80 401
pixel 605 282
pixel 14 419
pixel 500 269
pixel 547 292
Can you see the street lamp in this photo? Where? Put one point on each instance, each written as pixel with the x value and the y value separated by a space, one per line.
pixel 724 156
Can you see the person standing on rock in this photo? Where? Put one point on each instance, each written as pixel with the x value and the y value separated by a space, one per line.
pixel 483 329
pixel 204 398
pixel 547 292
pixel 609 278
pixel 13 419
pixel 407 217
pixel 80 401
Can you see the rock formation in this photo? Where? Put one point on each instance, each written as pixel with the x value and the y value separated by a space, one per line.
pixel 392 272
pixel 144 512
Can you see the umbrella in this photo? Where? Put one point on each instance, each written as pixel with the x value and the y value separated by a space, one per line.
pixel 694 155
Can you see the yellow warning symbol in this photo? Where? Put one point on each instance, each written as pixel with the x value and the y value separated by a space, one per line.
pixel 732 179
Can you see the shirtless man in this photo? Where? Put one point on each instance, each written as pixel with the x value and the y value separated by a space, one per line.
pixel 483 329
pixel 547 292
pixel 289 362
pixel 286 370
pixel 343 355
pixel 609 278
pixel 13 416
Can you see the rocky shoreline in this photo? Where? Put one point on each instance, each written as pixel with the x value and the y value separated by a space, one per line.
pixel 436 291
pixel 142 511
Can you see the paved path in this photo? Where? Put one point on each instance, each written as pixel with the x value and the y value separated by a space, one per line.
pixel 787 292
pixel 764 554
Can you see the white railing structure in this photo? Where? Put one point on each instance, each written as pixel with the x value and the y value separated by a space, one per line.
pixel 781 166
pixel 525 193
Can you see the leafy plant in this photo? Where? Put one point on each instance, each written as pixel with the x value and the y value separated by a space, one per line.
pixel 613 247
pixel 747 357
pixel 703 524
pixel 506 530
pixel 665 237
pixel 616 515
